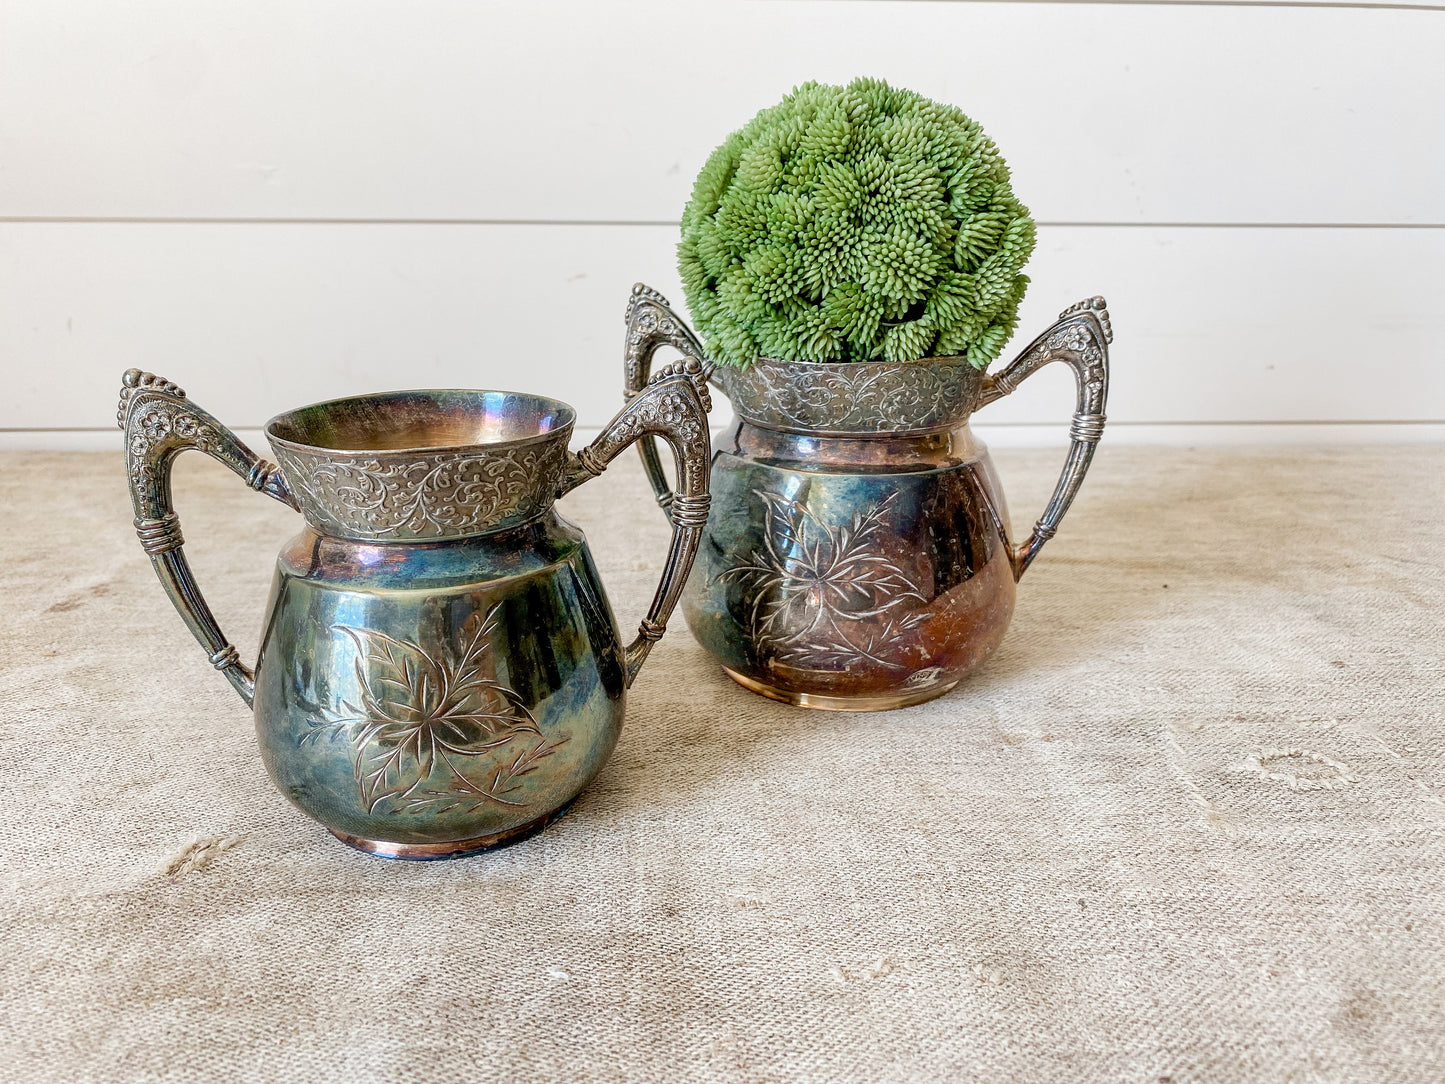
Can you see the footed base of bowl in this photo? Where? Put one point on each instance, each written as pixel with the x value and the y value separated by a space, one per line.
pixel 841 703
pixel 461 848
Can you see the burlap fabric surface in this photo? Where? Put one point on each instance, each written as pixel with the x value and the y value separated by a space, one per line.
pixel 1187 824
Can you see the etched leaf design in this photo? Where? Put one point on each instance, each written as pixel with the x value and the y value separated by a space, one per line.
pixel 420 709
pixel 466 795
pixel 812 586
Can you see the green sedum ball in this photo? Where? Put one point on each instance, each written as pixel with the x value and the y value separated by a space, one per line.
pixel 851 224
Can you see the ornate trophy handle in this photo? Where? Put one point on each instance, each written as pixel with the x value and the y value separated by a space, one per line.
pixel 652 323
pixel 673 406
pixel 160 423
pixel 1080 338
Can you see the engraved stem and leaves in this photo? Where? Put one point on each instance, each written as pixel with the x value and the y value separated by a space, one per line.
pixel 427 719
pixel 826 594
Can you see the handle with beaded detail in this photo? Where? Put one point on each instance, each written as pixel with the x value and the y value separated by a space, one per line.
pixel 159 423
pixel 1080 338
pixel 674 406
pixel 651 323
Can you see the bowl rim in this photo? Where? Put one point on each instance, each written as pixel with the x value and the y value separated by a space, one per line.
pixel 564 411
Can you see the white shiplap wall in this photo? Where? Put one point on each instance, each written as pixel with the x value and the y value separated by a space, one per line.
pixel 275 202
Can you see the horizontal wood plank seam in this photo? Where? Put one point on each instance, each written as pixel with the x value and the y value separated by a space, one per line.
pixel 128 220
pixel 1349 4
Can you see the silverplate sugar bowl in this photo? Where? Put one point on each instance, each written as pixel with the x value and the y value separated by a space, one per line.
pixel 440 671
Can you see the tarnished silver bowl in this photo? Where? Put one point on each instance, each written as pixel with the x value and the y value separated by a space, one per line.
pixel 440 671
pixel 858 555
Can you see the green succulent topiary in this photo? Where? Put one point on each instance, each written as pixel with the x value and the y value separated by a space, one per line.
pixel 855 223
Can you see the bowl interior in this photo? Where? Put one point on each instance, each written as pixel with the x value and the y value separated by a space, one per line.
pixel 420 420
